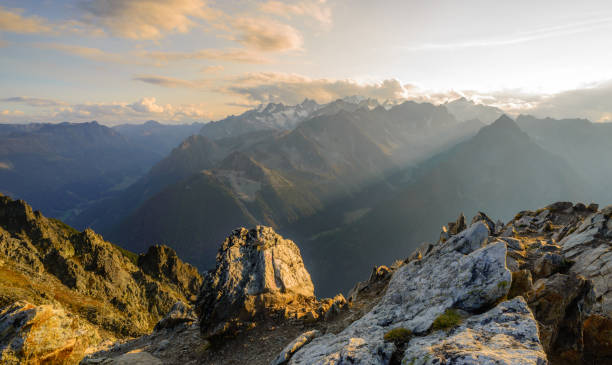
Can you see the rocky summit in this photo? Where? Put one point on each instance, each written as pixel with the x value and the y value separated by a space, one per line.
pixel 65 293
pixel 534 290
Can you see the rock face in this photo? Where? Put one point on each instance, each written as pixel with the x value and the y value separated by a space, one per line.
pixel 257 272
pixel 458 273
pixel 507 334
pixel 45 262
pixel 43 334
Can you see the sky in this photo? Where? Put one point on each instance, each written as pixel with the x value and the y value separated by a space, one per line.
pixel 181 61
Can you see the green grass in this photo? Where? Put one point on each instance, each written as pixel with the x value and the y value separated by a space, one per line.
pixel 447 320
pixel 502 284
pixel 133 257
pixel 64 226
pixel 398 336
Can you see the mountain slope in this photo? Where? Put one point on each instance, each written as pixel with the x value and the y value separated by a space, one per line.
pixel 155 137
pixel 265 117
pixel 585 145
pixel 500 170
pixel 124 293
pixel 289 176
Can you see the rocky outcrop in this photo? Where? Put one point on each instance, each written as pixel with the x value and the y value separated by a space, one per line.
pixel 561 254
pixel 258 273
pixel 44 334
pixel 532 291
pixel 180 313
pixel 116 292
pixel 162 263
pixel 458 273
pixel 506 334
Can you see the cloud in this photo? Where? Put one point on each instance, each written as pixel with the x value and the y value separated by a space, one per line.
pixel 592 102
pixel 291 88
pixel 233 55
pixel 170 81
pixel 36 102
pixel 212 69
pixel 90 53
pixel 4 43
pixel 266 35
pixel 112 113
pixel 523 37
pixel 12 20
pixel 11 112
pixel 318 10
pixel 146 19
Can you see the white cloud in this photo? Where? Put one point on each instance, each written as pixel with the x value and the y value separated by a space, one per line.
pixel 232 55
pixel 146 19
pixel 90 53
pixel 12 20
pixel 170 81
pixel 36 102
pixel 317 9
pixel 291 88
pixel 110 113
pixel 212 69
pixel 266 35
pixel 523 37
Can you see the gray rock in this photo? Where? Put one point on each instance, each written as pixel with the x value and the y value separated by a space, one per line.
pixel 449 276
pixel 294 346
pixel 256 270
pixel 507 334
pixel 179 313
pixel 589 248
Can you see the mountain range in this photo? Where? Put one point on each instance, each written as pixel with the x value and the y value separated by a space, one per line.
pixel 281 178
pixel 62 168
pixel 335 176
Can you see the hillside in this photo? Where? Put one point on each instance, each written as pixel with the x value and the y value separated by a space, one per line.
pixel 61 169
pixel 533 290
pixel 500 170
pixel 583 144
pixel 48 268
pixel 278 179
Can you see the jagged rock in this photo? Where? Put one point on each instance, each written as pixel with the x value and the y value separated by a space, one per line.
pixel 506 334
pixel 590 250
pixel 469 239
pixel 452 228
pixel 162 263
pixel 378 278
pixel 131 358
pixel 418 293
pixel 294 346
pixel 257 272
pixel 560 304
pixel 548 264
pixel 48 262
pixel 482 217
pixel 179 313
pixel 522 284
pixel 597 339
pixel 43 334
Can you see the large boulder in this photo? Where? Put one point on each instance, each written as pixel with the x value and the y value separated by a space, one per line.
pixel 43 334
pixel 258 273
pixel 504 335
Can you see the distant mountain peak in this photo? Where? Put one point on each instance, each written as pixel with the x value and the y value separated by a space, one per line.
pixel 505 122
pixel 504 126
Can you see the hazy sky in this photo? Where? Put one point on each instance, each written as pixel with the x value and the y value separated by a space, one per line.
pixel 197 60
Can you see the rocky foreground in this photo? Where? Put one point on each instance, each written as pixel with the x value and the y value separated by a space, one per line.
pixel 64 293
pixel 536 290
